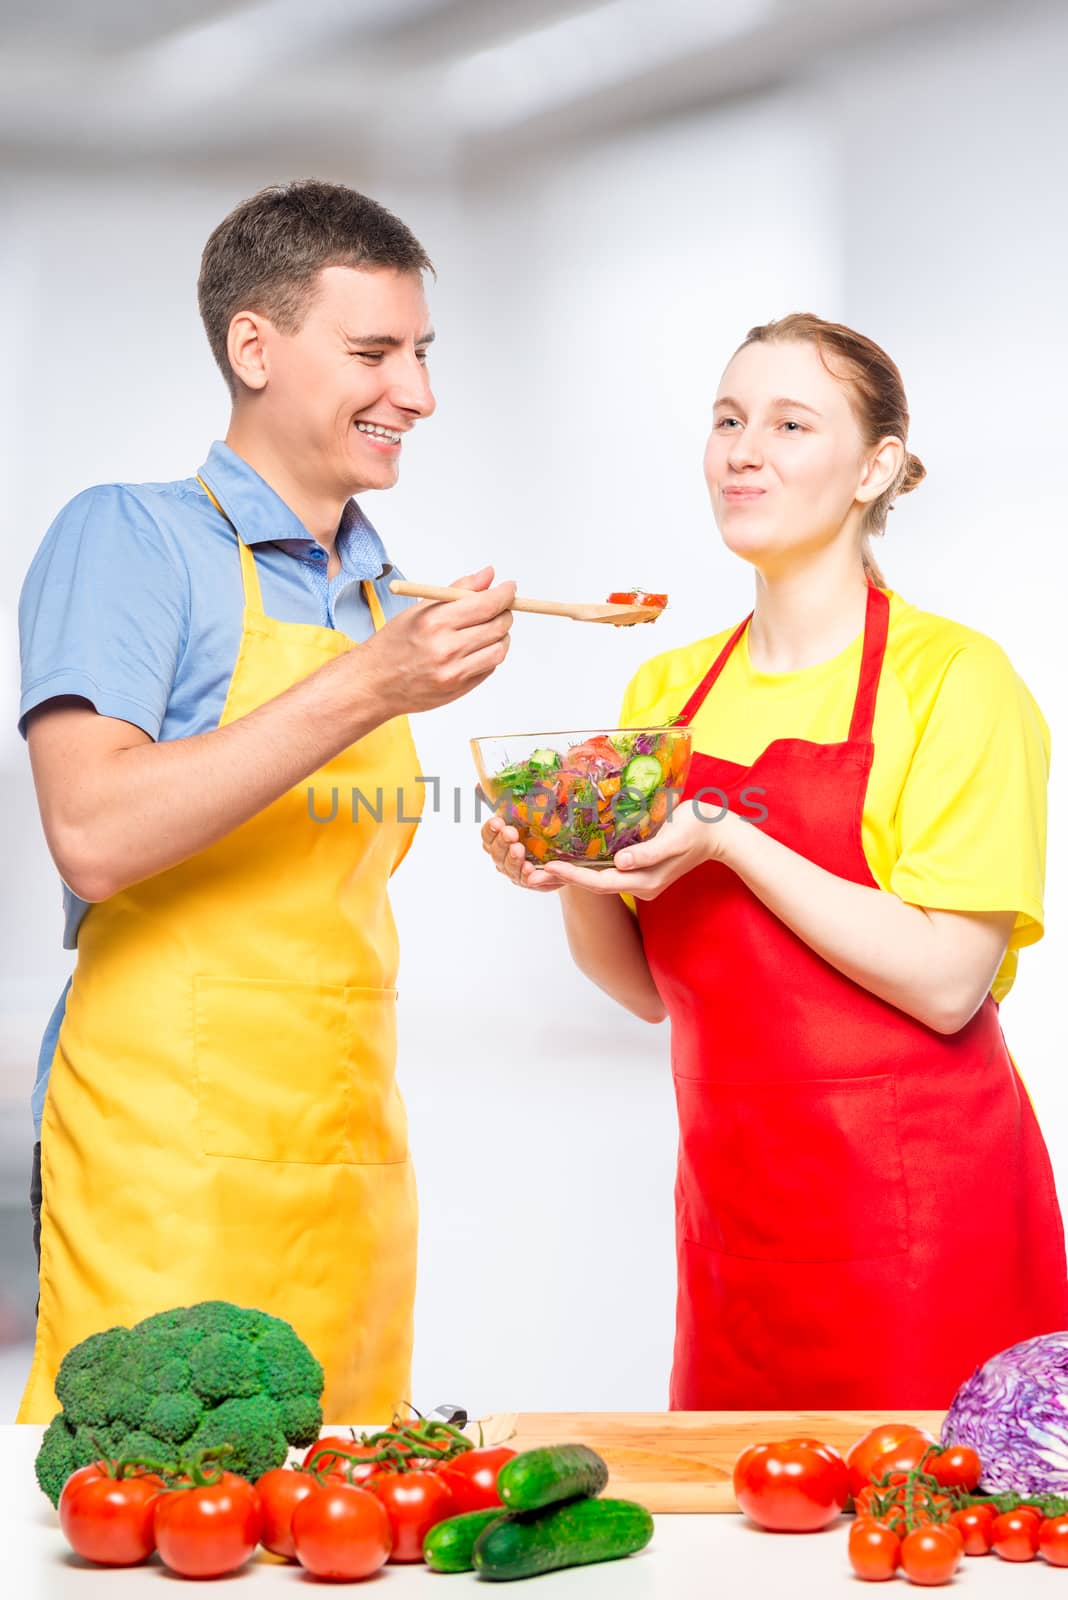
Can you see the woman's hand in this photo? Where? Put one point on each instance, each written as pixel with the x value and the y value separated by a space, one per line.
pixel 501 841
pixel 692 835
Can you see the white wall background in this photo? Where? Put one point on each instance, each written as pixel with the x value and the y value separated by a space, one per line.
pixel 586 304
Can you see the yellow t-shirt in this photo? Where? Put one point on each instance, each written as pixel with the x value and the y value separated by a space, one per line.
pixel 955 812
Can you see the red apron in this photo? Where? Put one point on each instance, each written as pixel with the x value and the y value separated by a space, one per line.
pixel 865 1208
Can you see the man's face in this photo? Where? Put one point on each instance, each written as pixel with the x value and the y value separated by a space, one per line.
pixel 357 366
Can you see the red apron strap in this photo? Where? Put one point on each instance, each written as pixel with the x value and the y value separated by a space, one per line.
pixel 696 700
pixel 876 622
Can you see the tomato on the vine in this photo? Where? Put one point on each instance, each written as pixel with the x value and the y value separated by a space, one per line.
pixel 344 1459
pixel 281 1490
pixel 1053 1541
pixel 957 1467
pixel 874 1549
pixel 472 1477
pixel 930 1555
pixel 108 1519
pixel 792 1485
pixel 415 1502
pixel 1014 1535
pixel 874 1445
pixel 341 1532
pixel 208 1529
pixel 975 1523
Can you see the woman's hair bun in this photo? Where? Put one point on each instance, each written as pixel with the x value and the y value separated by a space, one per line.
pixel 915 472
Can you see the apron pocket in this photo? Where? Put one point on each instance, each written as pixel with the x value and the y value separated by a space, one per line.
pixel 297 1072
pixel 792 1171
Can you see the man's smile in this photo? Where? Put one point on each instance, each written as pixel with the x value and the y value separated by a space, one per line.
pixel 378 435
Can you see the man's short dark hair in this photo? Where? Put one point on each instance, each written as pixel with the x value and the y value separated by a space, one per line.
pixel 266 255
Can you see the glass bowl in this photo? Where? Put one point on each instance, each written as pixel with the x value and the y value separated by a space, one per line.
pixel 580 796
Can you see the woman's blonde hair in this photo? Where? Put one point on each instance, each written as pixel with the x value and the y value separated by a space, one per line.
pixel 878 399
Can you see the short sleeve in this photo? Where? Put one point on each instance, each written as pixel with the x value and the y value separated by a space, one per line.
pixel 104 611
pixel 971 824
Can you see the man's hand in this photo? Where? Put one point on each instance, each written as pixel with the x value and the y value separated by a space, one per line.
pixel 436 651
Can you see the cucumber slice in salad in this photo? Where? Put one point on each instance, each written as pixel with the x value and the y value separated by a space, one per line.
pixel 643 774
pixel 544 760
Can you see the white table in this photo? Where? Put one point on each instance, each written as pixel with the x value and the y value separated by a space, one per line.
pixel 690 1558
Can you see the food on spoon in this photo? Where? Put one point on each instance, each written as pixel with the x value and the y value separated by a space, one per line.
pixel 637 597
pixel 584 801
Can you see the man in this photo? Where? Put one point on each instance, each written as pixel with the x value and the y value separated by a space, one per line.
pixel 204 662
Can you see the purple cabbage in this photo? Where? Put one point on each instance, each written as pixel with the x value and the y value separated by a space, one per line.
pixel 627 836
pixel 1014 1412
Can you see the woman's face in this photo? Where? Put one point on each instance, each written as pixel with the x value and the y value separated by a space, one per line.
pixel 785 458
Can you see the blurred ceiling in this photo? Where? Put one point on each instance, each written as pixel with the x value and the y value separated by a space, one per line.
pixel 412 88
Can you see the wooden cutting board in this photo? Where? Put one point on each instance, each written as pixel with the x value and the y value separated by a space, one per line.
pixel 683 1460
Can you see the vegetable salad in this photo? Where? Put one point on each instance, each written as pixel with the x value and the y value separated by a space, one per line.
pixel 584 803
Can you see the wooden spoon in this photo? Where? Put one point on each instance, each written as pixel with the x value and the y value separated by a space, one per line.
pixel 618 616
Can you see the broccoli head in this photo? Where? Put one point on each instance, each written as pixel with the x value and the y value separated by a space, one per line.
pixel 179 1381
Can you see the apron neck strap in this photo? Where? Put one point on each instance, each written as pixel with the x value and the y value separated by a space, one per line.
pixel 250 581
pixel 697 699
pixel 374 604
pixel 876 622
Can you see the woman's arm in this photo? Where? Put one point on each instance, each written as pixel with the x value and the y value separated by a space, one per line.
pixel 606 943
pixel 602 935
pixel 935 965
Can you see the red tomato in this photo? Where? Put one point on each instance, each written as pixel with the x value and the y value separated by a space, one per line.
pixel 594 756
pixel 1014 1535
pixel 874 1549
pixel 794 1486
pixel 1053 1541
pixel 875 1444
pixel 958 1467
pixel 930 1555
pixel 415 1502
pixel 206 1531
pixel 472 1477
pixel 637 597
pixel 341 1531
pixel 109 1520
pixel 955 1533
pixel 902 1459
pixel 975 1523
pixel 332 1454
pixel 281 1490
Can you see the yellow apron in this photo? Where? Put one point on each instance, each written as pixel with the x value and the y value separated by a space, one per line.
pixel 222 1118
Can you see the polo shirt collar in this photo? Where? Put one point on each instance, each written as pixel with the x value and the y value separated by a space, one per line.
pixel 261 516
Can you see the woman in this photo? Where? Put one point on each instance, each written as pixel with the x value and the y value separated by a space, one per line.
pixel 865 1205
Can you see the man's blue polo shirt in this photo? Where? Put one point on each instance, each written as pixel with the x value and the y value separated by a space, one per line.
pixel 134 602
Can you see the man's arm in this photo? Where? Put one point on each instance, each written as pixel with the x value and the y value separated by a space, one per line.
pixel 118 808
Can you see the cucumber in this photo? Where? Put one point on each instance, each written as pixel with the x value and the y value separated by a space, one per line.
pixel 568 1535
pixel 448 1546
pixel 537 1478
pixel 643 774
pixel 544 760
